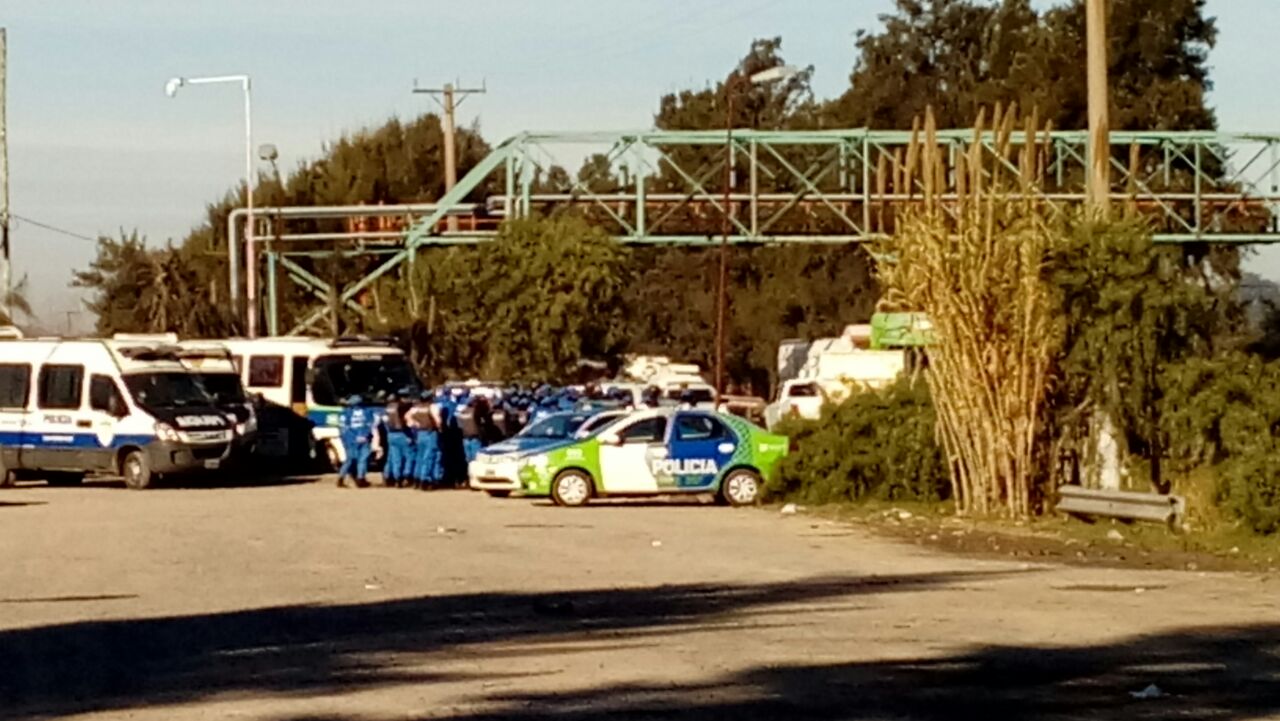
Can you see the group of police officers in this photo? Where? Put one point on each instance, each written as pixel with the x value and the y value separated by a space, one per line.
pixel 427 439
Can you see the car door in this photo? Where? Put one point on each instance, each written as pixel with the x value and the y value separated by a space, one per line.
pixel 626 462
pixel 701 446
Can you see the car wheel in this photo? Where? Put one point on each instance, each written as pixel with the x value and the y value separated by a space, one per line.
pixel 572 488
pixel 498 494
pixel 741 487
pixel 136 470
pixel 63 480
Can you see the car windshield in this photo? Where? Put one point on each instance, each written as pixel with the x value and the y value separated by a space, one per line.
pixel 558 426
pixel 166 390
pixel 596 424
pixel 225 388
pixel 373 377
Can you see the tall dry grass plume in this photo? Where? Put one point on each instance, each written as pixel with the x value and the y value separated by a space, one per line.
pixel 971 253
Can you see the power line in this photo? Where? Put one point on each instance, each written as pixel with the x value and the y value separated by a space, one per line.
pixel 53 228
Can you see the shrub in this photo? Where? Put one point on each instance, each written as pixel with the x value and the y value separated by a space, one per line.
pixel 1226 411
pixel 875 444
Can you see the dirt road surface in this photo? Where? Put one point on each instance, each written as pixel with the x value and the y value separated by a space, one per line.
pixel 309 603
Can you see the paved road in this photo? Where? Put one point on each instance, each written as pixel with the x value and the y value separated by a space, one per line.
pixel 309 603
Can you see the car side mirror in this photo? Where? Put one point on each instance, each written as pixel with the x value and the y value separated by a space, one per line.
pixel 611 439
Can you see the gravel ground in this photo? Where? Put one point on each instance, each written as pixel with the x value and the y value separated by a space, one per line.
pixel 304 602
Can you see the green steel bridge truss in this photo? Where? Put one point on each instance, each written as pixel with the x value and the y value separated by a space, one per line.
pixel 821 186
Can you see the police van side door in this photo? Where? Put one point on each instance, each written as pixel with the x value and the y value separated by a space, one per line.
pixel 701 446
pixel 58 431
pixel 108 410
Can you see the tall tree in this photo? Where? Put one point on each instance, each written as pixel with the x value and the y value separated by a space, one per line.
pixel 961 55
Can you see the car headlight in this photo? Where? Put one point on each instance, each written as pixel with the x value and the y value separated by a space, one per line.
pixel 535 462
pixel 248 427
pixel 166 432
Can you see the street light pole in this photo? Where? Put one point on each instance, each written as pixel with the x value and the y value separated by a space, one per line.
pixel 250 249
pixel 722 284
pixel 780 72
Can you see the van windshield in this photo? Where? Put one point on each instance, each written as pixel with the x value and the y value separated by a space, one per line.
pixel 225 388
pixel 166 390
pixel 372 377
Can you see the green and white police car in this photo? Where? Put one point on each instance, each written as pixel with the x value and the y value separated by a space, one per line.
pixel 658 452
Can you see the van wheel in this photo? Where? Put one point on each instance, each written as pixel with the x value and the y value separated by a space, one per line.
pixel 572 488
pixel 8 479
pixel 741 487
pixel 63 480
pixel 136 470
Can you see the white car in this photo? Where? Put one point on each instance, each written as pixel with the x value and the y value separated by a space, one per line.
pixel 496 468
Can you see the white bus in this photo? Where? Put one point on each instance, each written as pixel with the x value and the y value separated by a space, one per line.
pixel 74 407
pixel 314 376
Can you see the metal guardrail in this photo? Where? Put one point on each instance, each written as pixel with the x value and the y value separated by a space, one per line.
pixel 1130 505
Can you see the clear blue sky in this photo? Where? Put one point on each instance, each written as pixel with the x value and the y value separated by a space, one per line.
pixel 95 145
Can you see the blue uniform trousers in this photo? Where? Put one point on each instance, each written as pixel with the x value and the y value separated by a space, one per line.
pixel 399 463
pixel 471 448
pixel 358 452
pixel 426 466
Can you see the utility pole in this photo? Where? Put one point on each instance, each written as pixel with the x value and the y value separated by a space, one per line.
pixel 1098 184
pixel 449 98
pixel 6 279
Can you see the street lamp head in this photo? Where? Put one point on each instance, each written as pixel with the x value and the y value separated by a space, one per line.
pixel 268 152
pixel 778 72
pixel 171 87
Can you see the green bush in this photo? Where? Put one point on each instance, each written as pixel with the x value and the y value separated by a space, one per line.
pixel 875 444
pixel 1225 411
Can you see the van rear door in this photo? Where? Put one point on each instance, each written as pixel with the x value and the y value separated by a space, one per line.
pixel 15 393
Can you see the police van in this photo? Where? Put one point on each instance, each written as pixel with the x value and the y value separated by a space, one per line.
pixel 69 408
pixel 213 367
pixel 313 377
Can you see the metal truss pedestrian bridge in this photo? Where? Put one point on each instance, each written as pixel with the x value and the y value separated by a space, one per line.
pixel 816 186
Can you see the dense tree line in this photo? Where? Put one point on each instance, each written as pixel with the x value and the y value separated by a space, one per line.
pixel 462 309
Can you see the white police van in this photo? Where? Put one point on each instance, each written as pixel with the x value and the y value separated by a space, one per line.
pixel 74 407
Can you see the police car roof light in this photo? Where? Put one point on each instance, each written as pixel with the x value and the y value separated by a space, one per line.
pixel 151 353
pixel 359 340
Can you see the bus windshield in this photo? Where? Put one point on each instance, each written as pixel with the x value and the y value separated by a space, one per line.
pixel 373 377
pixel 225 388
pixel 166 390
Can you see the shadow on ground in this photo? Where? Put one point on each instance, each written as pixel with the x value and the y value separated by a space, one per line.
pixel 229 479
pixel 1226 673
pixel 117 665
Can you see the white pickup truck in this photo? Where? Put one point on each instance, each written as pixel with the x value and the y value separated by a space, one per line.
pixel 797 398
pixel 829 376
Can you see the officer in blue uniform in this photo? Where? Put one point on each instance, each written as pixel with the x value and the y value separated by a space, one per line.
pixel 395 472
pixel 424 419
pixel 355 427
